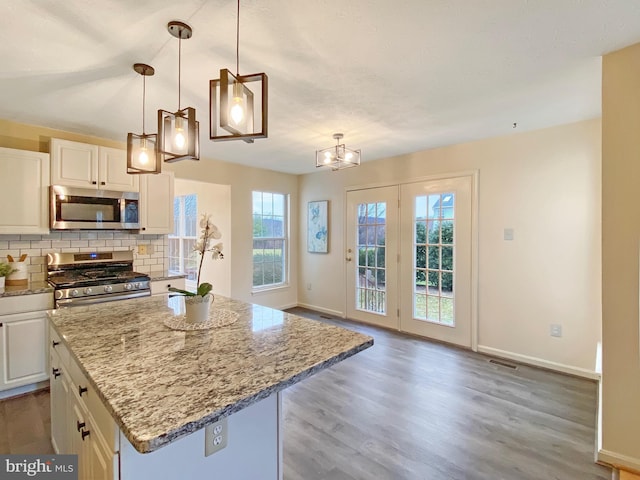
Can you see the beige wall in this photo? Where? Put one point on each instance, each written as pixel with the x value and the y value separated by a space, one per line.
pixel 543 184
pixel 242 181
pixel 620 241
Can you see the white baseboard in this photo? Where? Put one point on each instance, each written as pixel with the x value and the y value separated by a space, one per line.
pixel 335 313
pixel 539 362
pixel 285 307
pixel 618 460
pixel 14 392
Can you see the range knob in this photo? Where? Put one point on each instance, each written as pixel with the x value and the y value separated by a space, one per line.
pixel 128 286
pixel 87 291
pixel 74 293
pixel 59 294
pixel 108 288
pixel 139 285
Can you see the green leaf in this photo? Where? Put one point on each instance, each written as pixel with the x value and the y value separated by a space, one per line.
pixel 204 289
pixel 183 292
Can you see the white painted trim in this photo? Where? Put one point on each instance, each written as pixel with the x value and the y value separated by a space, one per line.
pixel 475 258
pixel 540 362
pixel 427 178
pixel 287 306
pixel 618 460
pixel 599 420
pixel 14 392
pixel 335 313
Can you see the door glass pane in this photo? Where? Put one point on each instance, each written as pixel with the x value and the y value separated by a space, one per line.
pixel 371 291
pixel 434 224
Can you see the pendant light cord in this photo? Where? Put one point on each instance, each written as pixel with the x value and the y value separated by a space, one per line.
pixel 238 41
pixel 144 94
pixel 179 66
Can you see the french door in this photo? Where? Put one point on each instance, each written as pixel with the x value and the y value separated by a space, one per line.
pixel 409 258
pixel 372 252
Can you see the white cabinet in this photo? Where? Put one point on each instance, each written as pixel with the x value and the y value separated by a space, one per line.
pixel 24 195
pixel 162 286
pixel 75 164
pixel 156 203
pixel 23 340
pixel 80 424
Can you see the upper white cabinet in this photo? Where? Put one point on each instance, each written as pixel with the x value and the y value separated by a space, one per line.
pixel 75 164
pixel 156 203
pixel 24 195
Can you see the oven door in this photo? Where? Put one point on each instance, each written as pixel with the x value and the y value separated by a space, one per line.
pixel 86 209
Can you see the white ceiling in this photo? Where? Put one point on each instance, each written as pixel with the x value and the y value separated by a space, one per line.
pixel 393 76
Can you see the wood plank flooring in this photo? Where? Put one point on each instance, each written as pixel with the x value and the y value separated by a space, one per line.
pixel 408 409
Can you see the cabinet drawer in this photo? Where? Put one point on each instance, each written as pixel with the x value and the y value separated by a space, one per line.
pixel 162 286
pixel 26 303
pixel 57 347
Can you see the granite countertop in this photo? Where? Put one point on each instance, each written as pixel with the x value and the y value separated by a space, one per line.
pixel 160 384
pixel 30 289
pixel 160 276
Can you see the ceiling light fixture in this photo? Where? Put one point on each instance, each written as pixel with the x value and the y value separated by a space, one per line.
pixel 179 132
pixel 141 149
pixel 337 157
pixel 233 105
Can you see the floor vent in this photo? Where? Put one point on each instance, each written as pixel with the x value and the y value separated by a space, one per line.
pixel 502 363
pixel 326 316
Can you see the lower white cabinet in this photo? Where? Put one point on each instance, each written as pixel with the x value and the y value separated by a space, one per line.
pixel 23 338
pixel 162 286
pixel 80 423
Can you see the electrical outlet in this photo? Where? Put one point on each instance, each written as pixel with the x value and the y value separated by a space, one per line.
pixel 216 436
pixel 308 286
pixel 508 234
pixel 142 250
pixel 556 330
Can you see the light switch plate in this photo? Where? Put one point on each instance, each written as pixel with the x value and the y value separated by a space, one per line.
pixel 508 233
pixel 216 436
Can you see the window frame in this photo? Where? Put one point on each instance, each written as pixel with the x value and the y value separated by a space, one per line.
pixel 180 229
pixel 286 235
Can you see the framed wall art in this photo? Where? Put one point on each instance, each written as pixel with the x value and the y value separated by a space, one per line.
pixel 318 227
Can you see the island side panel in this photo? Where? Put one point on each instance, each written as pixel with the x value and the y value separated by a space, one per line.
pixel 254 450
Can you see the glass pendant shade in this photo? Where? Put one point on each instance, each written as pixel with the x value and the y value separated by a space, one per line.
pixel 338 157
pixel 238 107
pixel 141 149
pixel 141 154
pixel 179 135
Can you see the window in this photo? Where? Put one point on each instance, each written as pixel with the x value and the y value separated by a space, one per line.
pixel 270 229
pixel 182 259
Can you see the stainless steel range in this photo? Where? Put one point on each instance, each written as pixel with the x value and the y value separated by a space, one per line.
pixel 84 278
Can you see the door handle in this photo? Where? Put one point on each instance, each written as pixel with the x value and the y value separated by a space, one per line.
pixel 348 259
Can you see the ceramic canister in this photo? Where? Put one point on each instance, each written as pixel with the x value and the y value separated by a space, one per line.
pixel 20 276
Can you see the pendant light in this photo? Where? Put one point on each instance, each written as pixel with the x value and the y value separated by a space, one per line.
pixel 235 101
pixel 141 149
pixel 337 157
pixel 179 132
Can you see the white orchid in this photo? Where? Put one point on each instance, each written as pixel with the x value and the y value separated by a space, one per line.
pixel 202 245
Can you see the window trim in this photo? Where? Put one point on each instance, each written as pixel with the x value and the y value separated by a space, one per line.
pixel 286 230
pixel 181 237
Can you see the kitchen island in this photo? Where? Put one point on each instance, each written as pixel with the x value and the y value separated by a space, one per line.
pixel 138 386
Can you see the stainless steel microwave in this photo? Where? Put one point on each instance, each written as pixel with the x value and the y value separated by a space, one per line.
pixel 88 209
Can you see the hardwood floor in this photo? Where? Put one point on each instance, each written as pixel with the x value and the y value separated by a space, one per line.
pixel 408 409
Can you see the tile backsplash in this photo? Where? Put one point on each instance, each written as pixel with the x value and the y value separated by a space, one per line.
pixel 37 247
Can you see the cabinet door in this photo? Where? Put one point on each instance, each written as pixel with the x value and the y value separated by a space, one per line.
pixel 24 194
pixel 156 203
pixel 100 461
pixel 113 171
pixel 74 164
pixel 24 346
pixel 59 395
pixel 78 445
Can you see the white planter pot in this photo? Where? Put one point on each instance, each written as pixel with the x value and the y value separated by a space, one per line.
pixel 197 308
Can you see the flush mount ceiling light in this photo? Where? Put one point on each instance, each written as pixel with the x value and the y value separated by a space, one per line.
pixel 179 132
pixel 141 149
pixel 233 105
pixel 338 156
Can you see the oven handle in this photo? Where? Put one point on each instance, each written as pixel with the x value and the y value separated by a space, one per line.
pixel 78 302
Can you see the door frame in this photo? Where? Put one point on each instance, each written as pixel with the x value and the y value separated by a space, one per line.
pixel 475 181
